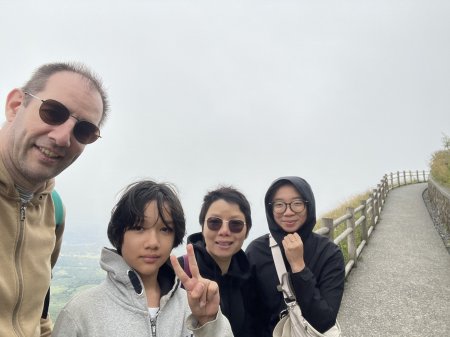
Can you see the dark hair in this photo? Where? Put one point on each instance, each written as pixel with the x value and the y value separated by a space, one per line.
pixel 129 211
pixel 231 195
pixel 39 79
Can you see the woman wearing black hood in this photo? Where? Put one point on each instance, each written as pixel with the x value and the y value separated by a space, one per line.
pixel 225 218
pixel 315 264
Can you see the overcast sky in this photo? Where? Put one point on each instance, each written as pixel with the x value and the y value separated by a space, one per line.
pixel 242 92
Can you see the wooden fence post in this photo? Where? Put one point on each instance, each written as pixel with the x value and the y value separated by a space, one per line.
pixel 364 235
pixel 351 241
pixel 386 186
pixel 376 207
pixel 417 175
pixel 398 178
pixel 404 177
pixel 328 223
pixel 392 181
pixel 372 212
pixel 380 199
pixel 380 196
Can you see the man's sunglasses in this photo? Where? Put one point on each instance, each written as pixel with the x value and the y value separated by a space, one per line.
pixel 55 113
pixel 235 225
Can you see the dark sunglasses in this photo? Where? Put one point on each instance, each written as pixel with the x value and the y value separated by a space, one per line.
pixel 235 225
pixel 55 113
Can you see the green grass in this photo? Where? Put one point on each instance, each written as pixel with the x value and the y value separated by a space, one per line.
pixel 440 167
pixel 77 269
pixel 354 202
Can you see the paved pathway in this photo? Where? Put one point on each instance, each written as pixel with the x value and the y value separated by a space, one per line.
pixel 401 286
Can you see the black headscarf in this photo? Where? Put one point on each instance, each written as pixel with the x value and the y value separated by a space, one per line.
pixel 302 186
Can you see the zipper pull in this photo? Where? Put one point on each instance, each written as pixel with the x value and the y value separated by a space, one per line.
pixel 153 326
pixel 22 212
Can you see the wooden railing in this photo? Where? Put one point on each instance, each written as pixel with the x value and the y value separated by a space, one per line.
pixel 362 220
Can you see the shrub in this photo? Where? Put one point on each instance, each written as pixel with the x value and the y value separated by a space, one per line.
pixel 440 167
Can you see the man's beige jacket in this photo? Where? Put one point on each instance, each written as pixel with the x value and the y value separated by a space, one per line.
pixel 29 247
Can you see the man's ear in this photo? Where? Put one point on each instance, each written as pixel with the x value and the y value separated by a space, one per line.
pixel 13 102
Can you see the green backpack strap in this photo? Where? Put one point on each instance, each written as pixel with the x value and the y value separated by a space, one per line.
pixel 59 211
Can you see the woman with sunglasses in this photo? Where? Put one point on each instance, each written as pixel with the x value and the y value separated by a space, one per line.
pixel 315 265
pixel 225 218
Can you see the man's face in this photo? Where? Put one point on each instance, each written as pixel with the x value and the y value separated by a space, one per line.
pixel 37 151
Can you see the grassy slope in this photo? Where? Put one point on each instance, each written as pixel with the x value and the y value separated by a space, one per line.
pixel 440 167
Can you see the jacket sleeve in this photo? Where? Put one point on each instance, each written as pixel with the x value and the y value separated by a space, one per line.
pixel 65 326
pixel 46 327
pixel 251 305
pixel 320 297
pixel 258 307
pixel 220 327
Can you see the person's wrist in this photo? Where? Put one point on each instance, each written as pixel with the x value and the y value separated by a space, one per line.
pixel 205 319
pixel 298 267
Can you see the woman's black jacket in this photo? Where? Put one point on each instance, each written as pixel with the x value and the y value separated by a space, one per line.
pixel 318 287
pixel 236 290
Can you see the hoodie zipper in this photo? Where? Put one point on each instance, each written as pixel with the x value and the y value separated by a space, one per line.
pixel 153 325
pixel 19 272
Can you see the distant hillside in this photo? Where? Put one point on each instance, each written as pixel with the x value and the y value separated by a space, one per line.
pixel 77 269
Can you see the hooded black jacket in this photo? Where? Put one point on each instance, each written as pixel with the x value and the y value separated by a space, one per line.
pixel 236 290
pixel 318 287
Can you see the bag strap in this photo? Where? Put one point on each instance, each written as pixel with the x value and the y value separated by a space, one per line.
pixel 289 297
pixel 59 211
pixel 59 217
pixel 283 276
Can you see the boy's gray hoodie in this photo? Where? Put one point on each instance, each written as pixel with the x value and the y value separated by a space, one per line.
pixel 118 307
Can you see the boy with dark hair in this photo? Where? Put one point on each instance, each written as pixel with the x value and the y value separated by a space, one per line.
pixel 141 295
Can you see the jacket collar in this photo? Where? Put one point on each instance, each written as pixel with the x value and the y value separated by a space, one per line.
pixel 128 282
pixel 239 266
pixel 8 188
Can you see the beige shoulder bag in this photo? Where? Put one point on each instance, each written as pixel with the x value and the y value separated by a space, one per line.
pixel 293 324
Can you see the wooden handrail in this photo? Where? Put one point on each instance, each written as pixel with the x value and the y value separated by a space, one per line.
pixel 366 216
